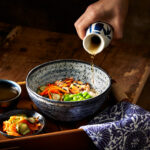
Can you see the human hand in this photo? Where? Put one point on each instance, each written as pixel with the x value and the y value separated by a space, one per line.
pixel 112 12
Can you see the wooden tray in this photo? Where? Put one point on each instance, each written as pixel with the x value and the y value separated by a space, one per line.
pixel 67 134
pixel 23 48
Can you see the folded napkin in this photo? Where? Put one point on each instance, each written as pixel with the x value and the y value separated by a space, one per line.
pixel 124 126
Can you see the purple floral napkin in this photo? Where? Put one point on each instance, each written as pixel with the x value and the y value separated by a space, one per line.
pixel 124 126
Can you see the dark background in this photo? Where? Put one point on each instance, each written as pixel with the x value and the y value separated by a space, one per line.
pixel 60 15
pixel 56 15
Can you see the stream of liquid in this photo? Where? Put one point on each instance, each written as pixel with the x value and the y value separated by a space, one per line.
pixel 93 49
pixel 92 69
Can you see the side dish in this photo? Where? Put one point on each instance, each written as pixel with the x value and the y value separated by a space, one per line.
pixel 67 90
pixel 20 125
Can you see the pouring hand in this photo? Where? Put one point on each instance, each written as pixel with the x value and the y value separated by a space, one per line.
pixel 112 12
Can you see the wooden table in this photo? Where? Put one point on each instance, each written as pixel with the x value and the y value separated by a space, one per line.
pixel 22 48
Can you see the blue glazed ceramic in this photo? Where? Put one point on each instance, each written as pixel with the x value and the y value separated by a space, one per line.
pixel 12 85
pixel 60 69
pixel 29 113
pixel 100 28
pixel 101 31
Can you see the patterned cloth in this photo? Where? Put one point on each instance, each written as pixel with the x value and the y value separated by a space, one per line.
pixel 124 126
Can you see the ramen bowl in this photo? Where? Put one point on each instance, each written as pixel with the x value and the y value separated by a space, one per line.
pixel 60 69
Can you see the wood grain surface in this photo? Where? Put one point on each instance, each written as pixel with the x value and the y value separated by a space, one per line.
pixel 23 48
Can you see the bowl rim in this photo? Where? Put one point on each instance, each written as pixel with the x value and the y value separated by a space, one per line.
pixel 64 60
pixel 26 111
pixel 13 83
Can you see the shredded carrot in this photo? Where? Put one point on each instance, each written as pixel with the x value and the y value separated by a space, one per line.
pixel 50 97
pixel 9 126
pixel 62 87
pixel 52 89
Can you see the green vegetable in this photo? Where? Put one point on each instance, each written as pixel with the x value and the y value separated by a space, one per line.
pixel 71 95
pixel 80 99
pixel 85 94
pixel 77 97
pixel 31 120
pixel 22 128
pixel 15 120
pixel 88 96
pixel 79 94
pixel 25 132
pixel 55 96
pixel 42 88
pixel 18 117
pixel 38 91
pixel 67 99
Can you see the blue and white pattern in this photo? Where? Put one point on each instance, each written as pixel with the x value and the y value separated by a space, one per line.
pixel 124 126
pixel 49 72
pixel 100 28
pixel 103 32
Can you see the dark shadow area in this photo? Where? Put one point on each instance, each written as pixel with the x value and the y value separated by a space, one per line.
pixel 48 14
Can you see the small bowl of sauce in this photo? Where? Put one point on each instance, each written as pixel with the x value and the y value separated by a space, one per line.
pixel 9 93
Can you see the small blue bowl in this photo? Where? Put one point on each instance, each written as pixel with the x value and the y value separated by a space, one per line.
pixel 29 113
pixel 60 69
pixel 10 85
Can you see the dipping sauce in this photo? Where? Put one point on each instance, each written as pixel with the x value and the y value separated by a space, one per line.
pixel 7 93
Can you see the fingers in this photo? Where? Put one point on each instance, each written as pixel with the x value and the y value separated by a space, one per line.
pixel 85 21
pixel 118 28
pixel 81 27
pixel 112 13
pixel 82 24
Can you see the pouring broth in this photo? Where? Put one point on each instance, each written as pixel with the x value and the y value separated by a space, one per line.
pixel 94 44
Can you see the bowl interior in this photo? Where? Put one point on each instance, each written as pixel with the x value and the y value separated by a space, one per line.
pixel 60 69
pixel 29 113
pixel 10 85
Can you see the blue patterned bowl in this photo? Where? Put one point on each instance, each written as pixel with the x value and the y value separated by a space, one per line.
pixel 60 69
